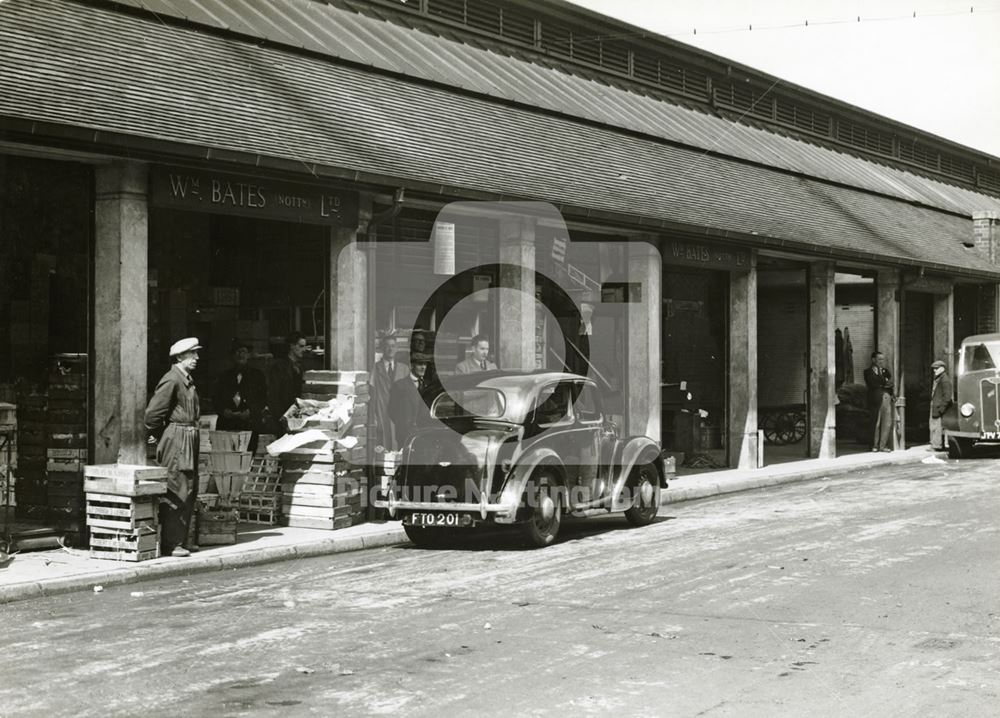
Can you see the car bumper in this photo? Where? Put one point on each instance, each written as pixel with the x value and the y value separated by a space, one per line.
pixel 499 513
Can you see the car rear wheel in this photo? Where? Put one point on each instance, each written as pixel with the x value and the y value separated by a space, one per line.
pixel 429 537
pixel 959 448
pixel 543 524
pixel 645 496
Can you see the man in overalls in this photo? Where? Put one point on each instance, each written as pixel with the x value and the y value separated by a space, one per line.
pixel 172 423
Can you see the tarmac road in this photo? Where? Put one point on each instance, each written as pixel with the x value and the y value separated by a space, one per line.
pixel 870 595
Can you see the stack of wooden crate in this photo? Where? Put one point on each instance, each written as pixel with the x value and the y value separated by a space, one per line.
pixel 121 508
pixel 66 451
pixel 229 463
pixel 325 486
pixel 29 487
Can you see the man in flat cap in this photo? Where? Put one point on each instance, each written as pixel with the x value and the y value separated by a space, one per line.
pixel 172 423
pixel 941 398
pixel 406 398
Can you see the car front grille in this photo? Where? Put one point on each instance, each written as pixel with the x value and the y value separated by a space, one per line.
pixel 989 390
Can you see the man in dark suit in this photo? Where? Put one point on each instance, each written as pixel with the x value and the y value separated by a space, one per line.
pixel 881 400
pixel 406 400
pixel 479 361
pixel 942 392
pixel 386 372
pixel 240 394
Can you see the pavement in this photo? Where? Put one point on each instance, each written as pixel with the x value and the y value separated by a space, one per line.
pixel 46 573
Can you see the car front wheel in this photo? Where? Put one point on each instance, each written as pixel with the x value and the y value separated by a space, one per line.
pixel 645 496
pixel 543 524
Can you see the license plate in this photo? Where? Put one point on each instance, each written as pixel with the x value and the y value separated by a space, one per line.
pixel 990 436
pixel 439 518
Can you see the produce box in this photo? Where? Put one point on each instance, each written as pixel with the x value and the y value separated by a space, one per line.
pixel 125 479
pixel 218 528
pixel 140 544
pixel 121 513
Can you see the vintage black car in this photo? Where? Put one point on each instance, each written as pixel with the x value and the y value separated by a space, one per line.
pixel 975 416
pixel 519 448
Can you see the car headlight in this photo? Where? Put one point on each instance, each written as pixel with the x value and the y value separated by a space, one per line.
pixel 967 409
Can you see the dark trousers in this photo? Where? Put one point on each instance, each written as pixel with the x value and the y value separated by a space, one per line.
pixel 881 423
pixel 176 514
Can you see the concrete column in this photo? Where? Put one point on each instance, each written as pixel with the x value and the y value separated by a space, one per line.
pixel 943 339
pixel 742 434
pixel 887 307
pixel 121 217
pixel 822 362
pixel 348 292
pixel 644 328
pixel 516 343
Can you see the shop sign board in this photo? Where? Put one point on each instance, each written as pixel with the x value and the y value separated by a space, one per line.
pixel 219 193
pixel 708 256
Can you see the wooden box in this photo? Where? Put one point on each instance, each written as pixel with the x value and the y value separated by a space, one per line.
pixel 141 544
pixel 125 480
pixel 121 513
pixel 218 528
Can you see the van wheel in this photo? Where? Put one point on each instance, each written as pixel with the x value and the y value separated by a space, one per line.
pixel 959 448
pixel 543 524
pixel 645 497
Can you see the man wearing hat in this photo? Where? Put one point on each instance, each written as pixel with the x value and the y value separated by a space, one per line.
pixel 240 394
pixel 172 423
pixel 406 398
pixel 941 398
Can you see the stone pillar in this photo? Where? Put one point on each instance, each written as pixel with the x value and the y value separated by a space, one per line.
pixel 887 307
pixel 986 238
pixel 822 362
pixel 742 434
pixel 943 338
pixel 349 296
pixel 644 327
pixel 118 361
pixel 516 343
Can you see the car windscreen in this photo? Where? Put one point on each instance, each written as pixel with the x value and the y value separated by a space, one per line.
pixel 981 357
pixel 478 402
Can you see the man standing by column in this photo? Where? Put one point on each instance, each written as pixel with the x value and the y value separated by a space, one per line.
pixel 406 400
pixel 881 401
pixel 941 398
pixel 172 423
pixel 479 360
pixel 386 372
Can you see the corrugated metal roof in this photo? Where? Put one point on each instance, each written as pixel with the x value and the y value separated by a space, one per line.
pixel 379 37
pixel 83 65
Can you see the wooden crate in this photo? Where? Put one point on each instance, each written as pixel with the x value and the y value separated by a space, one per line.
pixel 121 513
pixel 218 528
pixel 125 480
pixel 139 545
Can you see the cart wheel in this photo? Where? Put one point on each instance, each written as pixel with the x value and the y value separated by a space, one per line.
pixel 768 424
pixel 792 427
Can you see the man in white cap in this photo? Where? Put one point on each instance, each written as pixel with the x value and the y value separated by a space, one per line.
pixel 172 423
pixel 941 398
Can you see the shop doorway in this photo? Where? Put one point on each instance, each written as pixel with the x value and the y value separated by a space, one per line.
pixel 854 342
pixel 693 369
pixel 46 264
pixel 782 360
pixel 916 355
pixel 227 280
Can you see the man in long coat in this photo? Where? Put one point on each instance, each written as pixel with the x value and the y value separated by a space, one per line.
pixel 172 423
pixel 942 392
pixel 881 395
pixel 386 372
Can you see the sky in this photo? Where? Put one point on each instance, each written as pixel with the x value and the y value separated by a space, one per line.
pixel 938 71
